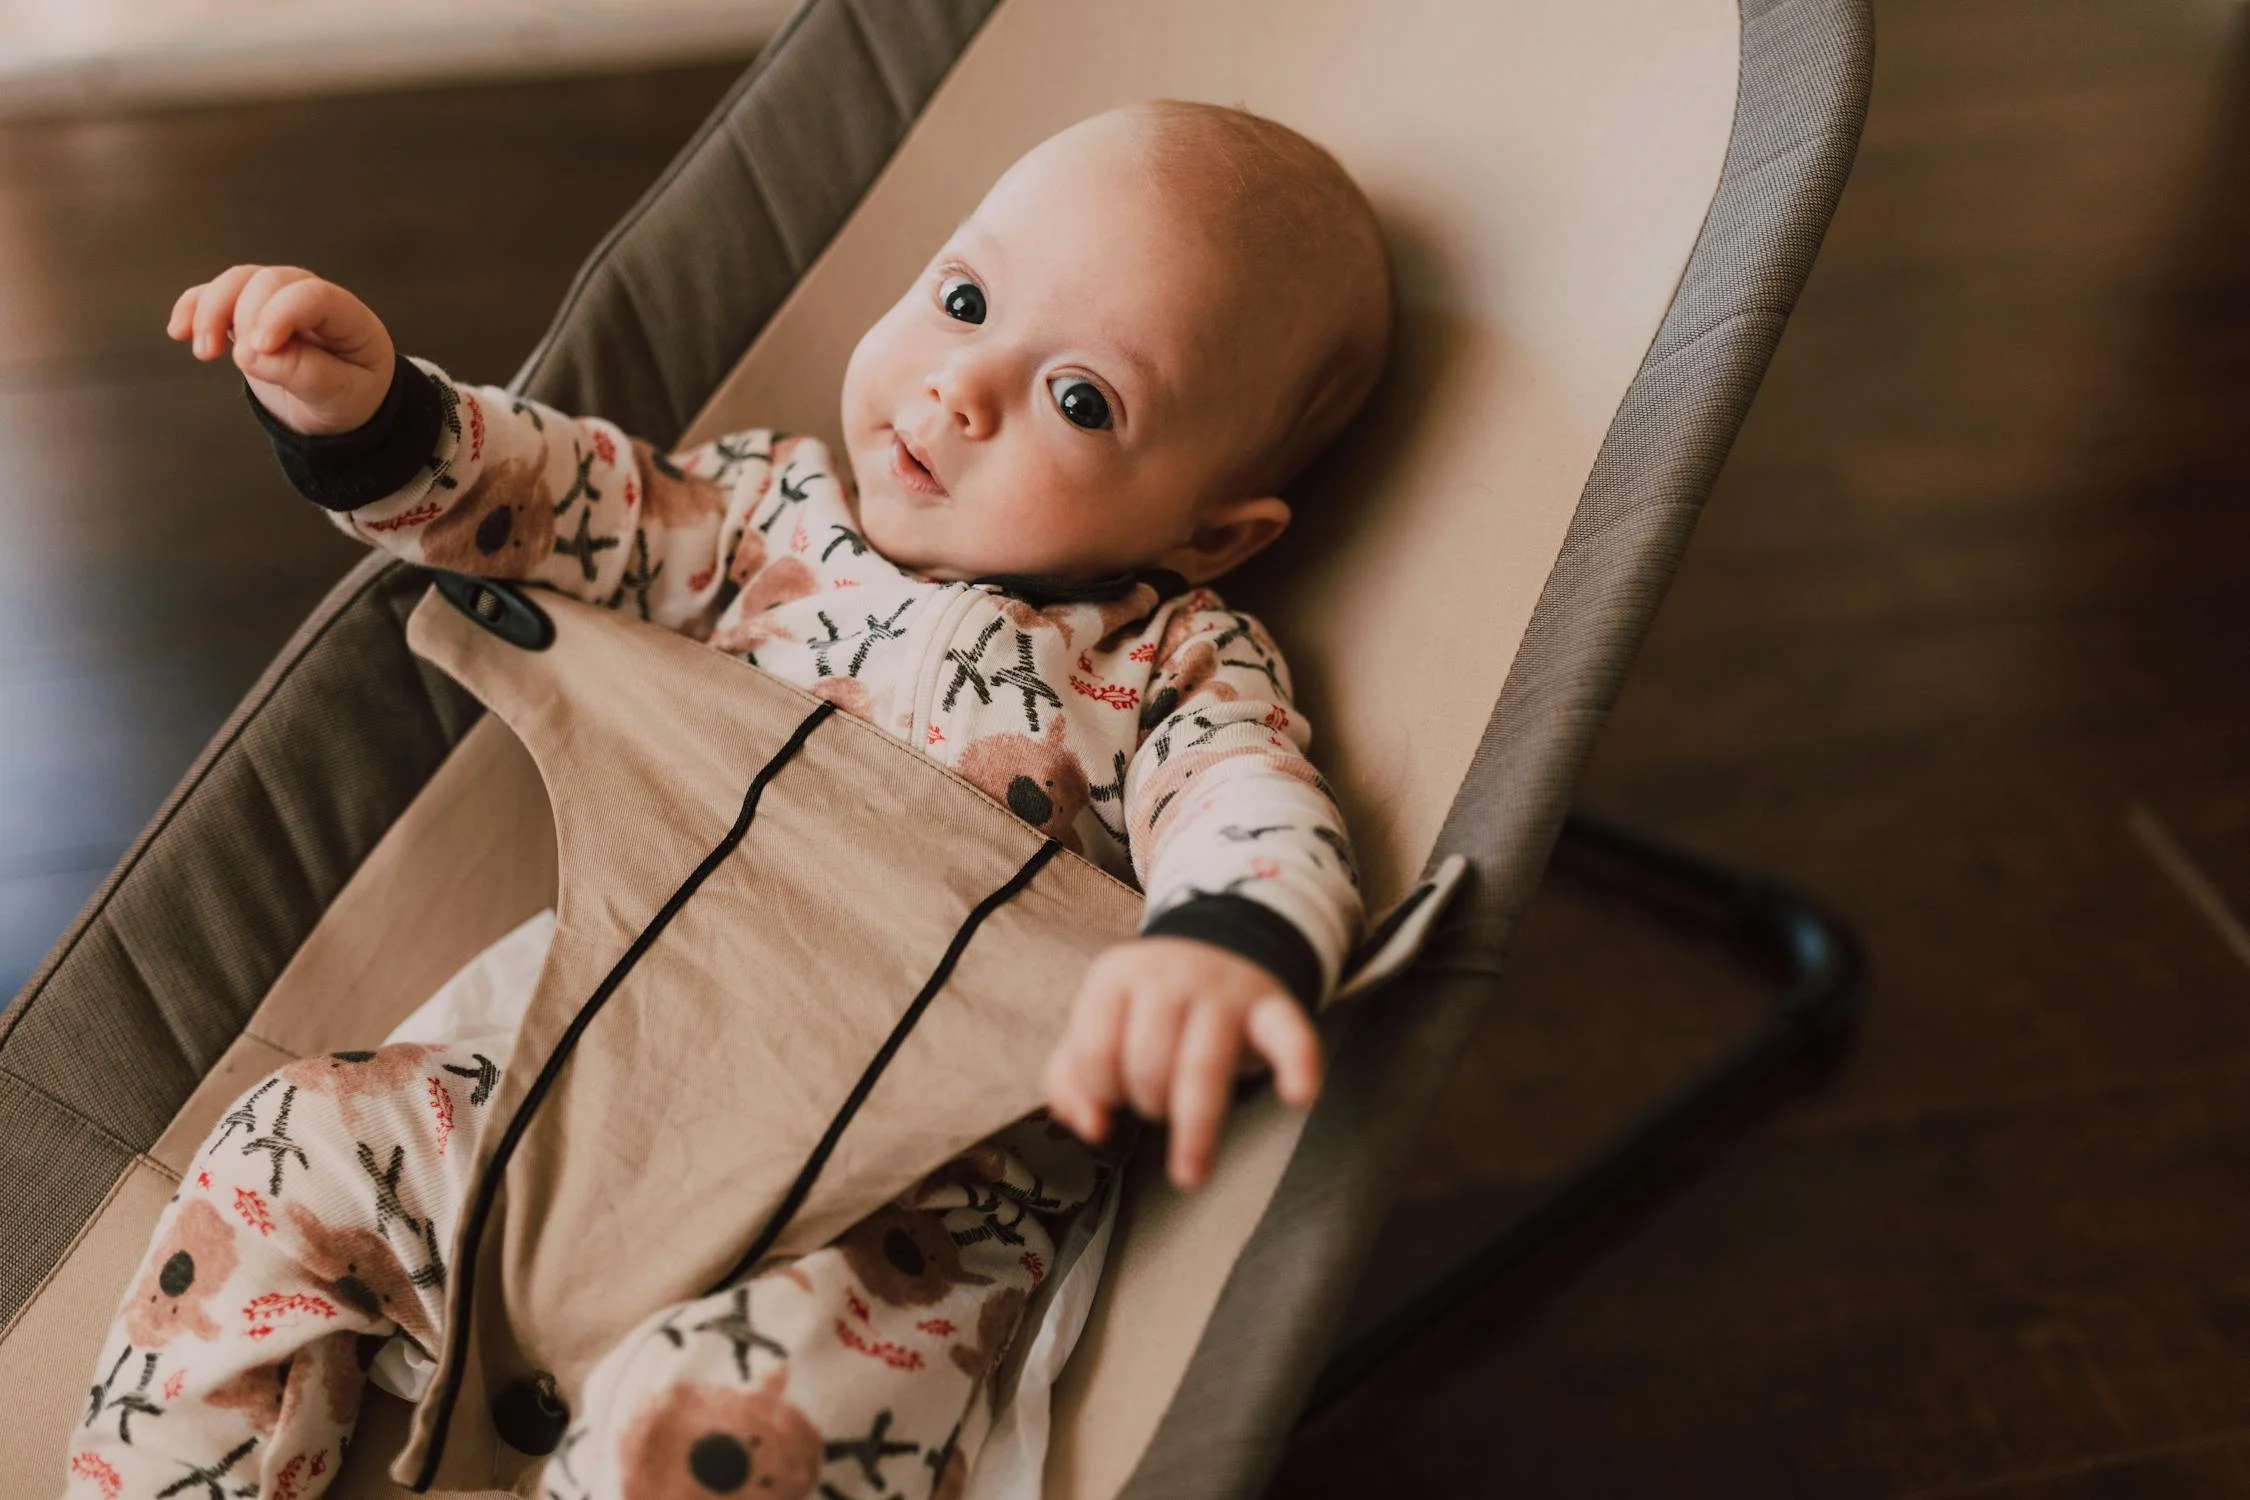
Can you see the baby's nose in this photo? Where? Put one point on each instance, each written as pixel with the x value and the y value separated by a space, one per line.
pixel 968 397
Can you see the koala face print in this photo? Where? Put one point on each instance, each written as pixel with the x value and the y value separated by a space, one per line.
pixel 504 527
pixel 905 1258
pixel 1039 780
pixel 693 1442
pixel 185 1270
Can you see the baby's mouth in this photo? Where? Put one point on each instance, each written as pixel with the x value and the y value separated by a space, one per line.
pixel 911 467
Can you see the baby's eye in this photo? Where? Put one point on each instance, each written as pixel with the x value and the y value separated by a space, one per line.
pixel 961 298
pixel 1081 401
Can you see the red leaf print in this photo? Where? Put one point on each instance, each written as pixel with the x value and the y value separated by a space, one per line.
pixel 252 1210
pixel 1115 694
pixel 934 736
pixel 942 1327
pixel 476 426
pixel 319 1465
pixel 1264 869
pixel 798 540
pixel 698 582
pixel 1085 662
pixel 1145 651
pixel 1277 717
pixel 605 450
pixel 847 583
pixel 92 1466
pixel 172 1386
pixel 285 1483
pixel 441 1105
pixel 859 1308
pixel 427 511
pixel 632 494
pixel 263 1312
pixel 1033 1266
pixel 897 1356
pixel 203 1179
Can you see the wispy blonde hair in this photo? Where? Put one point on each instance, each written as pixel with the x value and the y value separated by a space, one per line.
pixel 1305 233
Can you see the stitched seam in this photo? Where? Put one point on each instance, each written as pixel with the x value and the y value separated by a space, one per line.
pixel 459 1303
pixel 170 812
pixel 72 1110
pixel 809 1174
pixel 891 89
pixel 722 114
pixel 117 1185
pixel 991 811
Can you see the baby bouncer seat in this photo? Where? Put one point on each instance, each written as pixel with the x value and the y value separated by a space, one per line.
pixel 1600 210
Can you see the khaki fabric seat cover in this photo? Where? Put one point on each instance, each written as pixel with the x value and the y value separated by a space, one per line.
pixel 754 891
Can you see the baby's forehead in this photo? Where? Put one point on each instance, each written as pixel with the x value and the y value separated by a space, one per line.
pixel 1104 219
pixel 1108 252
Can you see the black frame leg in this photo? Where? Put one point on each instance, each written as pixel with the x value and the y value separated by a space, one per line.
pixel 1818 962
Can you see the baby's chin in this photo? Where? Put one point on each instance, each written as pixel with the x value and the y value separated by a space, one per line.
pixel 910 536
pixel 934 541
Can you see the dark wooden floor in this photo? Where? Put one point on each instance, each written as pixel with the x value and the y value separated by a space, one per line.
pixel 1961 645
pixel 153 558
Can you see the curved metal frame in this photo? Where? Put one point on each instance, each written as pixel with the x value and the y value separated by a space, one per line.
pixel 1820 963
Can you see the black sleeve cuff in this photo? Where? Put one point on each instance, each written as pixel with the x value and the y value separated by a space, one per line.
pixel 346 470
pixel 1249 929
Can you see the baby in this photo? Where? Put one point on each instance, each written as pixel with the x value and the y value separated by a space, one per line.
pixel 1083 411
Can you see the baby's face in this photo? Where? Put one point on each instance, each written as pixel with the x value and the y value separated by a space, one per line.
pixel 1067 389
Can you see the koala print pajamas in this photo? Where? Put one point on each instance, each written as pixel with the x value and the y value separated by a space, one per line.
pixel 1137 721
pixel 314 1224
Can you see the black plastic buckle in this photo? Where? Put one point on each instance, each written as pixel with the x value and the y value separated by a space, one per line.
pixel 501 608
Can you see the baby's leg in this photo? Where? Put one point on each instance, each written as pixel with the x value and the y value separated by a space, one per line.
pixel 846 1373
pixel 310 1226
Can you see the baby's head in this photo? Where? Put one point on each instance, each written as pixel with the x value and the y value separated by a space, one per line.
pixel 1143 332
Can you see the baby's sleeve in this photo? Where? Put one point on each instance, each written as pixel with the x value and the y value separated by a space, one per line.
pixel 477 480
pixel 1235 836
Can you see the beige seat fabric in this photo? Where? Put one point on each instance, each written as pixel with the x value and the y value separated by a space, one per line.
pixel 1542 167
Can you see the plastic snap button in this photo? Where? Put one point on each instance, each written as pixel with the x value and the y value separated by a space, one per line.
pixel 530 1415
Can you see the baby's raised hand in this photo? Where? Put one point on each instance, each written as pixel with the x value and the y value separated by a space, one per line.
pixel 1161 1023
pixel 314 355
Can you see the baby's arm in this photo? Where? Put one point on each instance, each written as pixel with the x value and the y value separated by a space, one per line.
pixel 471 478
pixel 1253 902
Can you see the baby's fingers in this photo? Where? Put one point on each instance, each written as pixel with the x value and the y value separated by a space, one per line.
pixel 1152 1047
pixel 1200 1083
pixel 1082 1072
pixel 276 304
pixel 214 310
pixel 1283 1035
pixel 182 321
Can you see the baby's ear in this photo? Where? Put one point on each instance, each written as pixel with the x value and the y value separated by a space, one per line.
pixel 1228 534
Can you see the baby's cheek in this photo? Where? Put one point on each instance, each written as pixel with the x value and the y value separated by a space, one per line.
pixel 1037 520
pixel 902 533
